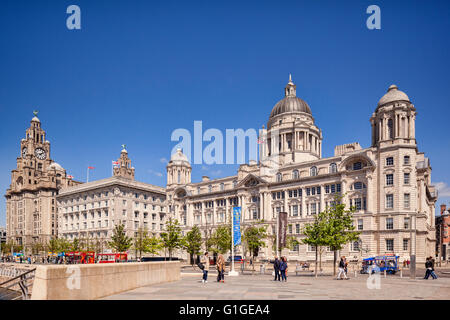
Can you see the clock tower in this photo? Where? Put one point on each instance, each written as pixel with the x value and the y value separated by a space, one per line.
pixel 31 214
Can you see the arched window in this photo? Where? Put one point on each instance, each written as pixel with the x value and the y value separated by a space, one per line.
pixel 279 177
pixel 179 176
pixel 390 129
pixel 210 188
pixel 222 186
pixel 198 190
pixel 333 168
pixel 234 184
pixel 313 171
pixel 295 174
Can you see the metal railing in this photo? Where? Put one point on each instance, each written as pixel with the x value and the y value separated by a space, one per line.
pixel 8 292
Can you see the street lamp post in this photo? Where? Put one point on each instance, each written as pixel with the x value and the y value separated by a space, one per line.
pixel 412 271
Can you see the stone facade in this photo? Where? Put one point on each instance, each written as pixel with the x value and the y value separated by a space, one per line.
pixel 389 182
pixel 91 210
pixel 443 234
pixel 31 214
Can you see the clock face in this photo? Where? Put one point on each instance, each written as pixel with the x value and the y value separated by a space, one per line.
pixel 40 153
pixel 24 152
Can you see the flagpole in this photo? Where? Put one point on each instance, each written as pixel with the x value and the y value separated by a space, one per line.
pixel 232 272
pixel 87 175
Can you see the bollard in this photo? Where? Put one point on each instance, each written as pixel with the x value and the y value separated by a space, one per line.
pixel 385 273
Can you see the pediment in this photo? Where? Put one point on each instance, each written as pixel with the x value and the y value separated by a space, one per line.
pixel 251 181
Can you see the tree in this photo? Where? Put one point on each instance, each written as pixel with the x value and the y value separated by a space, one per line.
pixel 339 227
pixel 315 234
pixel 53 245
pixel 172 238
pixel 7 247
pixel 36 247
pixel 63 245
pixel 141 241
pixel 221 239
pixel 119 240
pixel 193 242
pixel 153 245
pixel 254 239
pixel 75 245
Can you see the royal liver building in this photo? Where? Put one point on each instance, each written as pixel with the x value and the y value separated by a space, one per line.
pixel 389 183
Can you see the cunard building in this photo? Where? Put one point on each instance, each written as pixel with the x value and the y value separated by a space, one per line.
pixel 389 183
pixel 31 210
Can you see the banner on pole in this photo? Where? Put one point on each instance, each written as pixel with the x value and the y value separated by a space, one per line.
pixel 237 225
pixel 282 228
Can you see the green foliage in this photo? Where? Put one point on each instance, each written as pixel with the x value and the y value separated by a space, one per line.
pixel 7 247
pixel 119 240
pixel 220 241
pixel 339 226
pixel 254 238
pixel 140 241
pixel 172 238
pixel 193 241
pixel 75 245
pixel 153 245
pixel 53 245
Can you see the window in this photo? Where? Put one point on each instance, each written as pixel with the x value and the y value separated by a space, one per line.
pixel 406 200
pixel 389 201
pixel 313 171
pixel 290 229
pixel 295 210
pixel 405 244
pixel 406 160
pixel 297 228
pixel 333 168
pixel 389 244
pixel 210 188
pixel 313 208
pixel 279 177
pixel 222 186
pixel 389 179
pixel 406 178
pixel 406 223
pixel 358 206
pixel 360 224
pixel 234 184
pixel 357 165
pixel 295 174
pixel 389 161
pixel 198 190
pixel 358 186
pixel 389 223
pixel 355 245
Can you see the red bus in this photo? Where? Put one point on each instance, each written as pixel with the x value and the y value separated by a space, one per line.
pixel 112 257
pixel 78 257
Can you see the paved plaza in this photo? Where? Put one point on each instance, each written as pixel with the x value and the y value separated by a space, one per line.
pixel 262 287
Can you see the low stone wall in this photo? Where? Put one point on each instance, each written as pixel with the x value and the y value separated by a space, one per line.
pixel 93 281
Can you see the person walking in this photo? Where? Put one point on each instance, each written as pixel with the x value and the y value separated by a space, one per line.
pixel 346 267
pixel 276 268
pixel 342 269
pixel 283 268
pixel 432 273
pixel 220 265
pixel 205 262
pixel 428 267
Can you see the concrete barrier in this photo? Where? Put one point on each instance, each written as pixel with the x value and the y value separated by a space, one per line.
pixel 94 281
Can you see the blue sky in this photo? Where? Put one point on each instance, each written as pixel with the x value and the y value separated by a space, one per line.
pixel 137 70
